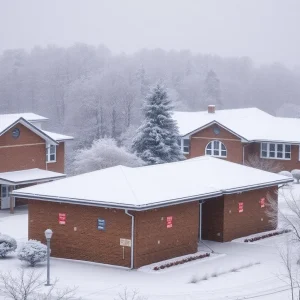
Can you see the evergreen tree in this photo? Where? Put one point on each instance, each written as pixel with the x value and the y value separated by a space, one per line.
pixel 157 138
pixel 212 90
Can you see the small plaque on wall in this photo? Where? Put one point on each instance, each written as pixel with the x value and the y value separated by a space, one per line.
pixel 169 222
pixel 125 242
pixel 101 224
pixel 62 218
pixel 241 207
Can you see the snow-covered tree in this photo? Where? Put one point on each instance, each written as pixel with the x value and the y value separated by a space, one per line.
pixel 296 174
pixel 7 244
pixel 212 90
pixel 103 153
pixel 157 138
pixel 33 252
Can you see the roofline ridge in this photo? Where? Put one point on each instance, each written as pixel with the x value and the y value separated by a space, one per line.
pixel 128 183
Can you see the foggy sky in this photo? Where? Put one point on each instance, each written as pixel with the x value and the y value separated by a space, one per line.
pixel 265 30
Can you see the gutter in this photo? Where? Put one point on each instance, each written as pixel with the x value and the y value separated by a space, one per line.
pixel 114 205
pixel 150 206
pixel 132 239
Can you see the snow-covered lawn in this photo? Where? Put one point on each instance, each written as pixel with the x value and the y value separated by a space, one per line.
pixel 96 281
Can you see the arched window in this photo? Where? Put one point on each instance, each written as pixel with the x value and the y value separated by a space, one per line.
pixel 216 148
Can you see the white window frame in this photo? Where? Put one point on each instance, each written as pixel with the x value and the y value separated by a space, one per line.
pixel 213 149
pixel 50 153
pixel 275 151
pixel 182 145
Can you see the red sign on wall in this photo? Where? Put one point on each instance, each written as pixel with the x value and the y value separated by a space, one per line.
pixel 262 202
pixel 241 207
pixel 62 218
pixel 169 222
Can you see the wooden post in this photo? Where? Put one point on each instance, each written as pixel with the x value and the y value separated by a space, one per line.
pixel 12 206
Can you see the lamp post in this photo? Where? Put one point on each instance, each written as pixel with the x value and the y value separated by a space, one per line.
pixel 48 235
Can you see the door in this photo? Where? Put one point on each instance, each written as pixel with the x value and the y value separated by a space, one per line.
pixel 5 199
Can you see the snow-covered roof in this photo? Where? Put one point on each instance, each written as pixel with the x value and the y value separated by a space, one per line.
pixel 57 136
pixel 154 186
pixel 251 124
pixel 28 176
pixel 7 121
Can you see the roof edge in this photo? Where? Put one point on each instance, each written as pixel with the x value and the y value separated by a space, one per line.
pixel 153 205
pixel 10 182
pixel 31 126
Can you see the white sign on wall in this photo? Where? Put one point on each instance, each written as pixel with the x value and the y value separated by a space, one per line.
pixel 125 242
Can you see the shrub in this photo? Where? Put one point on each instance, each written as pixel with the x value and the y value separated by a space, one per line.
pixel 286 173
pixel 257 238
pixel 7 244
pixel 180 262
pixel 33 252
pixel 194 279
pixel 296 174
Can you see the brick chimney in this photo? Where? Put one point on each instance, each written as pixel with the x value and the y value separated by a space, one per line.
pixel 211 109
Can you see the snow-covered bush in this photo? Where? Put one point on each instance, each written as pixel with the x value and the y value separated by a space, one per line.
pixel 286 173
pixel 33 252
pixel 7 244
pixel 103 153
pixel 296 174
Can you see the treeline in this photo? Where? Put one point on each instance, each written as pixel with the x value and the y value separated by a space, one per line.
pixel 91 93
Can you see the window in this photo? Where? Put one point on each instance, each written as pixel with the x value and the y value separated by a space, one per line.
pixel 276 151
pixel 51 153
pixel 216 148
pixel 186 146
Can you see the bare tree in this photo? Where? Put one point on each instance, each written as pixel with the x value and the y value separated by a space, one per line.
pixel 255 161
pixel 27 285
pixel 130 295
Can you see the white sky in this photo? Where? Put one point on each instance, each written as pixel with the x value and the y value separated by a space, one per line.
pixel 266 30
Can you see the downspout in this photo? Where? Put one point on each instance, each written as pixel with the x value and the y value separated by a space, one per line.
pixel 132 238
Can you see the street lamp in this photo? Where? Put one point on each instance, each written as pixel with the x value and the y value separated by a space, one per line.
pixel 48 235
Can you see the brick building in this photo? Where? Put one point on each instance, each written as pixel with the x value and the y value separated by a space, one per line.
pixel 239 135
pixel 136 216
pixel 28 154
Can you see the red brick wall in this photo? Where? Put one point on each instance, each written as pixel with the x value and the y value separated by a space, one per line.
pixel 232 143
pixel 222 222
pixel 27 152
pixel 59 165
pixel 253 219
pixel 287 165
pixel 155 242
pixel 87 243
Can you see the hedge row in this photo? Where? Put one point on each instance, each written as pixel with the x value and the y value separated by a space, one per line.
pixel 261 237
pixel 180 262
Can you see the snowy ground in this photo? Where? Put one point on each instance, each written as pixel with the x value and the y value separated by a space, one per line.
pixel 96 281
